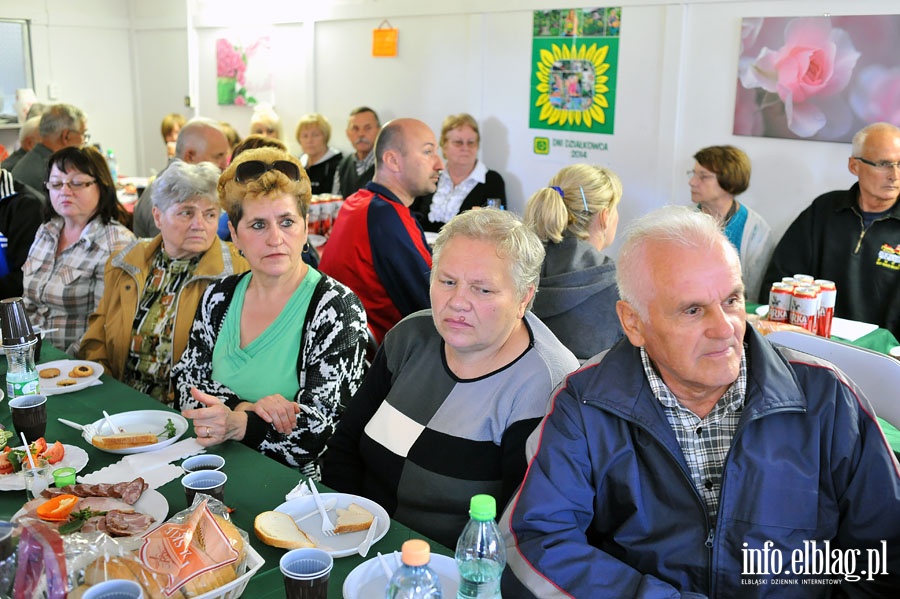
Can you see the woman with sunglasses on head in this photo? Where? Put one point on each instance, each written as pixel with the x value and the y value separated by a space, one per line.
pixel 153 286
pixel 274 354
pixel 465 183
pixel 576 217
pixel 63 275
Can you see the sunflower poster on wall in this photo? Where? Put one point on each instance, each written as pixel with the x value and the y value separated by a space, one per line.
pixel 573 76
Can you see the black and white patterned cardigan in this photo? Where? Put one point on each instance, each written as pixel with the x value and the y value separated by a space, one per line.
pixel 330 368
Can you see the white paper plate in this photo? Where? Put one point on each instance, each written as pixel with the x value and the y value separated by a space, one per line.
pixel 143 421
pixel 762 310
pixel 338 545
pixel 50 386
pixel 75 457
pixel 368 579
pixel 152 503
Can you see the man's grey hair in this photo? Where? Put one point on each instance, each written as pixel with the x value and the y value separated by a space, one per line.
pixel 859 140
pixel 181 181
pixel 514 241
pixel 681 225
pixel 191 136
pixel 59 117
pixel 30 127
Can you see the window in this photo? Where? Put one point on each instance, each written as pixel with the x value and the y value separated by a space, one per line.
pixel 15 65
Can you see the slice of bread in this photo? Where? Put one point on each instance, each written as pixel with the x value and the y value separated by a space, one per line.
pixel 279 530
pixel 353 519
pixel 123 440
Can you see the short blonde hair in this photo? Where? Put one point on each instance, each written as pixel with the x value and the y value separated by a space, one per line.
pixel 455 121
pixel 513 240
pixel 268 118
pixel 232 194
pixel 169 122
pixel 314 120
pixel 571 200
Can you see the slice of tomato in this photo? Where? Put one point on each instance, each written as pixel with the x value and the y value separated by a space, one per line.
pixel 54 453
pixel 39 446
pixel 6 466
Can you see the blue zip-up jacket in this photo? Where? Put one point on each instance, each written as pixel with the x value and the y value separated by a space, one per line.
pixel 608 509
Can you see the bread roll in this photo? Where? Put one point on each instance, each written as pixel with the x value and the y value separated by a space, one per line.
pixel 279 530
pixel 353 519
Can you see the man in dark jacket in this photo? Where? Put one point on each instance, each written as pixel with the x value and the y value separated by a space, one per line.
pixel 694 459
pixel 852 237
pixel 358 167
pixel 20 217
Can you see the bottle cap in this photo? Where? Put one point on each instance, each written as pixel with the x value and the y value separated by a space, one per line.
pixel 482 507
pixel 415 552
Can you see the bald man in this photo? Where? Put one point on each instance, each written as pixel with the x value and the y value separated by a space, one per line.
pixel 200 140
pixel 29 136
pixel 377 247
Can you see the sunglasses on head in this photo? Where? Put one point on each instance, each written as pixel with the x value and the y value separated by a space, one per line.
pixel 254 169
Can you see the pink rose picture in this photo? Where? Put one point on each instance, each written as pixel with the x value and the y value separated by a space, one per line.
pixel 819 78
pixel 243 72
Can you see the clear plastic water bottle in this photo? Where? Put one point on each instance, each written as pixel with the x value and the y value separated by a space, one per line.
pixel 22 375
pixel 113 165
pixel 414 579
pixel 480 552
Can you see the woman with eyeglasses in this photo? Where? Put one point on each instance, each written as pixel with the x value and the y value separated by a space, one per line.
pixel 576 217
pixel 63 275
pixel 465 182
pixel 275 353
pixel 320 161
pixel 153 286
pixel 720 174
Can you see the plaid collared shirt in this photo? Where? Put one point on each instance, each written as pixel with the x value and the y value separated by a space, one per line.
pixel 364 164
pixel 704 441
pixel 62 291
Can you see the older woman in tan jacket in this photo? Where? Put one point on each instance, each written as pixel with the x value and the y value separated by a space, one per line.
pixel 153 286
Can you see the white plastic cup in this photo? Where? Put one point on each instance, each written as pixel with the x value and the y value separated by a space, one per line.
pixel 306 573
pixel 207 461
pixel 115 589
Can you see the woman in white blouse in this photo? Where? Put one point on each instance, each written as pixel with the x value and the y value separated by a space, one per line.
pixel 465 182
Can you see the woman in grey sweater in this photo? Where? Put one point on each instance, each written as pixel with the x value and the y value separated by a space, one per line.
pixel 576 217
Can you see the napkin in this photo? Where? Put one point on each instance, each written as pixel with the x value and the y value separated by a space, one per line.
pixel 153 466
pixel 301 490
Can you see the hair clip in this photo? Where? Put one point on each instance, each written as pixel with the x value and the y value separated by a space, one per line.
pixel 584 199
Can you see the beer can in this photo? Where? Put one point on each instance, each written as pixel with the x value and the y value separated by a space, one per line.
pixel 790 281
pixel 827 297
pixel 804 279
pixel 805 308
pixel 780 302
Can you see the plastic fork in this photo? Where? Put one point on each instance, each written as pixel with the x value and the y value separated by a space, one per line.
pixel 327 524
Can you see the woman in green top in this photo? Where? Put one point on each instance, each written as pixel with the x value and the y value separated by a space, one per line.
pixel 274 354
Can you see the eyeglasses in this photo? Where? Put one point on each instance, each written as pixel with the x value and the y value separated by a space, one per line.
pixel 254 169
pixel 701 176
pixel 882 165
pixel 73 185
pixel 460 143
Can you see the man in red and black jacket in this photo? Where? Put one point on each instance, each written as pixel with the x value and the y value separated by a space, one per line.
pixel 377 248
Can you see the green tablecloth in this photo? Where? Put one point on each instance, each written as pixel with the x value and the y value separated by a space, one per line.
pixel 255 482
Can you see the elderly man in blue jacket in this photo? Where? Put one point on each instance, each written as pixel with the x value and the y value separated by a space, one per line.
pixel 695 459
